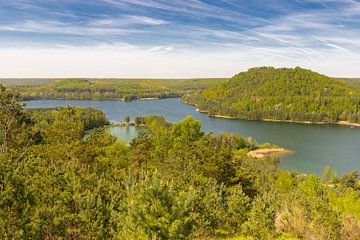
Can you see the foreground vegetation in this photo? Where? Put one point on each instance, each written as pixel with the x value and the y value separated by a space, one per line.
pixel 281 94
pixel 174 183
pixel 105 89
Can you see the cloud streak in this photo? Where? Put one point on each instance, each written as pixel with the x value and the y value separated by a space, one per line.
pixel 277 32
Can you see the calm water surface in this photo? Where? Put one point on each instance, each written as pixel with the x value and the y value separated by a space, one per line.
pixel 124 133
pixel 315 146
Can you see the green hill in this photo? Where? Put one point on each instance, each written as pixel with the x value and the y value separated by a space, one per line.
pixel 280 94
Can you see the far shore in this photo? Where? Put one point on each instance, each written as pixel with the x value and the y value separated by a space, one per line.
pixel 216 115
pixel 122 124
pixel 94 99
pixel 342 123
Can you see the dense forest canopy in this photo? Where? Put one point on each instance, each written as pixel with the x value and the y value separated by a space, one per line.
pixel 90 117
pixel 105 89
pixel 173 182
pixel 281 94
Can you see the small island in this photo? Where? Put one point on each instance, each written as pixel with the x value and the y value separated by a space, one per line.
pixel 267 152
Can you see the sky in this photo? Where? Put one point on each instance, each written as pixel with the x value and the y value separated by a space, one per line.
pixel 176 38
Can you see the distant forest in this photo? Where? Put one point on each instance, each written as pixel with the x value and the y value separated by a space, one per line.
pixel 114 89
pixel 281 94
pixel 105 89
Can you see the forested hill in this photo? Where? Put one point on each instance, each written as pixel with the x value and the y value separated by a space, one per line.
pixel 280 94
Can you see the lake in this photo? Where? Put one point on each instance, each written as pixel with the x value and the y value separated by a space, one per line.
pixel 315 146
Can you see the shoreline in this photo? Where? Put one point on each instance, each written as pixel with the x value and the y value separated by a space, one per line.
pixel 346 123
pixel 293 121
pixel 268 152
pixel 149 99
pixel 122 124
pixel 213 116
pixel 94 99
pixel 340 123
pixel 222 116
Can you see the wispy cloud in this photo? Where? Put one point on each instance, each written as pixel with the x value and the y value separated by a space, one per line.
pixel 57 27
pixel 126 21
pixel 269 32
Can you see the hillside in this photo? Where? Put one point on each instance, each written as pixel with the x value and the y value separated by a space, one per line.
pixel 280 94
pixel 106 89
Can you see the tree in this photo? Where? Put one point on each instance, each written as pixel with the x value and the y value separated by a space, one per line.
pixel 66 127
pixel 140 151
pixel 127 118
pixel 188 130
pixel 260 223
pixel 349 179
pixel 15 125
pixel 156 210
pixel 138 121
pixel 335 178
pixel 238 205
pixel 326 174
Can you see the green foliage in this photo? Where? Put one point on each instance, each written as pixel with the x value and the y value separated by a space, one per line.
pixel 280 94
pixel 91 118
pixel 238 205
pixel 155 124
pixel 260 223
pixel 110 89
pixel 188 130
pixel 157 210
pixel 127 118
pixel 66 128
pixel 172 182
pixel 335 178
pixel 349 179
pixel 15 125
pixel 267 146
pixel 326 174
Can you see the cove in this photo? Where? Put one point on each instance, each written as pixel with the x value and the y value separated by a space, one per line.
pixel 315 146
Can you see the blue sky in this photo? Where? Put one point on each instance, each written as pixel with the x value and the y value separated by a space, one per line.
pixel 177 38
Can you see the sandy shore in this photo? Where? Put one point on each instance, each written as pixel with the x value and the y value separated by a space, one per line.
pixel 200 111
pixel 293 121
pixel 149 99
pixel 216 115
pixel 348 123
pixel 343 123
pixel 221 116
pixel 267 152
